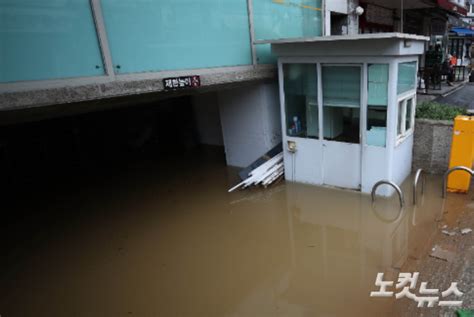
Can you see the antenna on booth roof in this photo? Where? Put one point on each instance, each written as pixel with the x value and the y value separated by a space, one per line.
pixel 401 15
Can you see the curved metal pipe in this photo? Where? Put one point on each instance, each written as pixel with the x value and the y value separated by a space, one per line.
pixel 419 172
pixel 455 168
pixel 395 186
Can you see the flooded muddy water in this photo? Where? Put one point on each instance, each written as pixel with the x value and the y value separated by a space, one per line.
pixel 164 238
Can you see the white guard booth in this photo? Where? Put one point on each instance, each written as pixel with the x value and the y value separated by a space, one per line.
pixel 348 107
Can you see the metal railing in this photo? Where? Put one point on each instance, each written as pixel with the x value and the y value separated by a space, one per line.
pixel 453 169
pixel 418 174
pixel 395 186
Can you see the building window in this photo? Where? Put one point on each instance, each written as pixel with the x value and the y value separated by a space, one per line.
pixel 377 104
pixel 408 114
pixel 376 125
pixel 406 117
pixel 400 119
pixel 341 103
pixel 406 77
pixel 301 100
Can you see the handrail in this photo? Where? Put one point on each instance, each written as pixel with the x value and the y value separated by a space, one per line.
pixel 395 186
pixel 455 168
pixel 419 172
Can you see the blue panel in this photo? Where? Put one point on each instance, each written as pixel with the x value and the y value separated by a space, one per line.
pixel 161 35
pixel 47 40
pixel 276 19
pixel 406 77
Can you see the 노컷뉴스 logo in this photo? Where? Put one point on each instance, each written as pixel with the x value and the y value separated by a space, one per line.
pixel 407 282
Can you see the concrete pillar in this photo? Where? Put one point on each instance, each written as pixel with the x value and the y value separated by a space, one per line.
pixel 251 124
pixel 327 22
pixel 352 19
pixel 350 24
pixel 208 122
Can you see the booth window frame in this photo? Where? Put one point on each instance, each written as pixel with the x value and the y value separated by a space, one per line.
pixel 284 101
pixel 402 101
pixel 402 107
pixel 391 137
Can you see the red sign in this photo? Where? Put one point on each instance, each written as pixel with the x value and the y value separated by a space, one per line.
pixel 451 6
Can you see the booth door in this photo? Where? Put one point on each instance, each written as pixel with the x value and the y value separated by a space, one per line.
pixel 341 125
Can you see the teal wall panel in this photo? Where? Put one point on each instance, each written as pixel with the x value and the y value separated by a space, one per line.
pixel 264 54
pixel 276 19
pixel 42 40
pixel 406 77
pixel 159 35
pixel 47 40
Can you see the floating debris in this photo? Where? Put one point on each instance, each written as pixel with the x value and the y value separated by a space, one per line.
pixel 449 233
pixel 265 174
pixel 442 254
pixel 244 174
pixel 466 231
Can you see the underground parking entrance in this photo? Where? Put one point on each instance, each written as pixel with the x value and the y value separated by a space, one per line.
pixel 126 212
pixel 239 123
pixel 66 149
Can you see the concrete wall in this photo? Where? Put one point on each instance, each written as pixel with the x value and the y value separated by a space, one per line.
pixel 250 122
pixel 208 122
pixel 27 95
pixel 432 145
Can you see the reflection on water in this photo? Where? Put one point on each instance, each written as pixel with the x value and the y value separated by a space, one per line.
pixel 161 240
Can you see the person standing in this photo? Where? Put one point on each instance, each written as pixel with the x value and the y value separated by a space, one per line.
pixel 448 69
pixel 453 60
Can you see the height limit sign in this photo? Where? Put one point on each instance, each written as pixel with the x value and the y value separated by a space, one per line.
pixel 182 82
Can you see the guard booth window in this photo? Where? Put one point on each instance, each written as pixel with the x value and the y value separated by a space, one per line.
pixel 377 104
pixel 406 77
pixel 341 95
pixel 301 100
pixel 406 102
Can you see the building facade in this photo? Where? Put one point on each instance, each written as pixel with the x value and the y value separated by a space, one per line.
pixel 64 54
pixel 470 14
pixel 82 42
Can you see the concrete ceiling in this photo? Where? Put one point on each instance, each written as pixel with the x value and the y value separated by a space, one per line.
pixel 407 4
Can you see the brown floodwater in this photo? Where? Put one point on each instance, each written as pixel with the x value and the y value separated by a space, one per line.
pixel 164 238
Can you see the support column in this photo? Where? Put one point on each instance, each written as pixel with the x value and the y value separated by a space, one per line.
pixel 251 124
pixel 352 19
